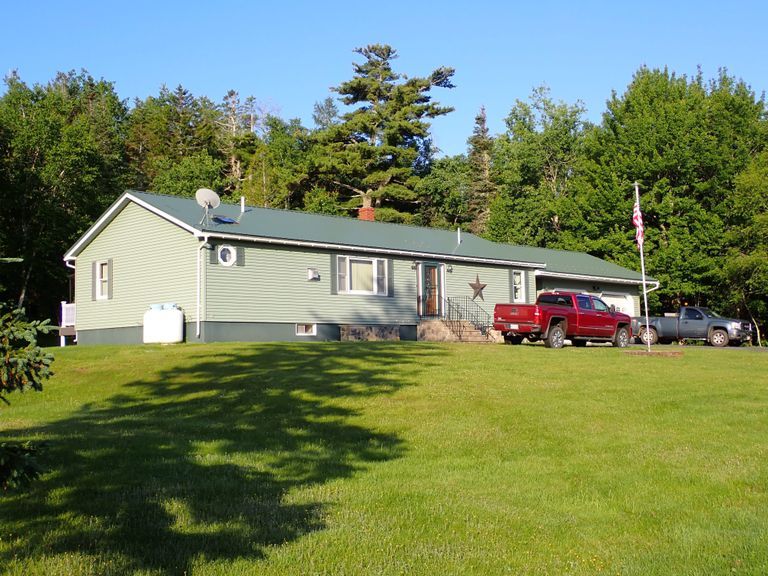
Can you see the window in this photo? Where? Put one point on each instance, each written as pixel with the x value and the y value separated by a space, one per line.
pixel 584 302
pixel 361 275
pixel 555 299
pixel 227 255
pixel 600 306
pixel 306 329
pixel 518 292
pixel 692 314
pixel 102 280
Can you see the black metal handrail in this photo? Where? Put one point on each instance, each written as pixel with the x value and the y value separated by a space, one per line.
pixel 460 309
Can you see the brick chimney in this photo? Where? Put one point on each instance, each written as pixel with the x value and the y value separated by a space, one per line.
pixel 366 213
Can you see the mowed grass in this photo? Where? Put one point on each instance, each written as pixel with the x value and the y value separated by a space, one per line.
pixel 393 458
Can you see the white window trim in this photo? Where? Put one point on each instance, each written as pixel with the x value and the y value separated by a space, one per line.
pixel 346 262
pixel 519 298
pixel 102 266
pixel 231 250
pixel 312 331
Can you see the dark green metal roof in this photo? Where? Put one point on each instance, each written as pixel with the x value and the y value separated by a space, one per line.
pixel 287 226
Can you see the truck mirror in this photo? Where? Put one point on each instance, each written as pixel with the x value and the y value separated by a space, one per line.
pixel 613 308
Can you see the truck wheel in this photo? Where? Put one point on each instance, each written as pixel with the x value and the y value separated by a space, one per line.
pixel 555 337
pixel 512 339
pixel 718 338
pixel 647 334
pixel 621 340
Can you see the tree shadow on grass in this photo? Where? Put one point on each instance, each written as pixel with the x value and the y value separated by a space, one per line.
pixel 198 462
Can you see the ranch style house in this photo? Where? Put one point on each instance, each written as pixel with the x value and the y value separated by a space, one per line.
pixel 155 267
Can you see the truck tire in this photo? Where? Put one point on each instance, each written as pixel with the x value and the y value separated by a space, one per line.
pixel 621 339
pixel 555 337
pixel 718 338
pixel 647 334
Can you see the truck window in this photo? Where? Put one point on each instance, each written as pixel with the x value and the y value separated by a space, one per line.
pixel 599 305
pixel 709 313
pixel 584 302
pixel 691 314
pixel 556 299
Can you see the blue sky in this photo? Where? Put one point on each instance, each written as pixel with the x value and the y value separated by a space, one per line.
pixel 289 54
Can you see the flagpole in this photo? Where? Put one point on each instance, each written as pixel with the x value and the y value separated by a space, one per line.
pixel 642 270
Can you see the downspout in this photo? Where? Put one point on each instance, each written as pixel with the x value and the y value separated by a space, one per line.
pixel 203 244
pixel 658 285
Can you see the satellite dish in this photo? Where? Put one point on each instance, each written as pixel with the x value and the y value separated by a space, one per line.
pixel 207 198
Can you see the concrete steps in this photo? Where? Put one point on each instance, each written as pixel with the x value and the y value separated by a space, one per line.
pixel 441 331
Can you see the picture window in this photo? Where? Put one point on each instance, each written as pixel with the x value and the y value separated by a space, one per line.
pixel 361 275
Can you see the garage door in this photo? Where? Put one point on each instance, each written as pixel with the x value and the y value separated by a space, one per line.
pixel 623 302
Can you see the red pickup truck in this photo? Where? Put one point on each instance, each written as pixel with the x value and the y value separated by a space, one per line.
pixel 558 316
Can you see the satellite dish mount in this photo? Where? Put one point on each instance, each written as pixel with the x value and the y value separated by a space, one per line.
pixel 207 199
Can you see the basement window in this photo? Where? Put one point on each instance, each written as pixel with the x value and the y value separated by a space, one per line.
pixel 306 329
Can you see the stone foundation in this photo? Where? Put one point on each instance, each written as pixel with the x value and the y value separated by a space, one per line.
pixel 362 332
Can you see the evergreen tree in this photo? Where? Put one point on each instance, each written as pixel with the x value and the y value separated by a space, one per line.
pixel 374 154
pixel 325 114
pixel 483 190
pixel 24 365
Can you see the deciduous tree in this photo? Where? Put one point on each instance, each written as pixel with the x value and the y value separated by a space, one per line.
pixel 536 163
pixel 61 165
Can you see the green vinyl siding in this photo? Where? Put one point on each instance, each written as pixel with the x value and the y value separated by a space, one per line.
pixel 530 282
pixel 153 262
pixel 496 278
pixel 271 285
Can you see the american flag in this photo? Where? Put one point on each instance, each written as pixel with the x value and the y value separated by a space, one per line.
pixel 637 220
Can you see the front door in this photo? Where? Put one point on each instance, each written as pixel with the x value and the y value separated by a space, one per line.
pixel 430 289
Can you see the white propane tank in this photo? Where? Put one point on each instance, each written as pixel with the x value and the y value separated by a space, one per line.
pixel 163 324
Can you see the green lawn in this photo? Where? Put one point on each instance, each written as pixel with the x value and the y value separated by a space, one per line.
pixel 393 458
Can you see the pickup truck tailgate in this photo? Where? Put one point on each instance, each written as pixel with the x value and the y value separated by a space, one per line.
pixel 507 316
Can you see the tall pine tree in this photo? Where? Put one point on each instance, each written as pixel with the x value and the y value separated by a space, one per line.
pixel 373 156
pixel 482 189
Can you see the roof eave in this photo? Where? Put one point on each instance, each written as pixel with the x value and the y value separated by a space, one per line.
pixel 122 201
pixel 595 278
pixel 367 249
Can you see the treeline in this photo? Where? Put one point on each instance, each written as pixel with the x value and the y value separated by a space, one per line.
pixel 697 148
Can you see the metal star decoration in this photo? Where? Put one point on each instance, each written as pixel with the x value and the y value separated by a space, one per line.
pixel 477 286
